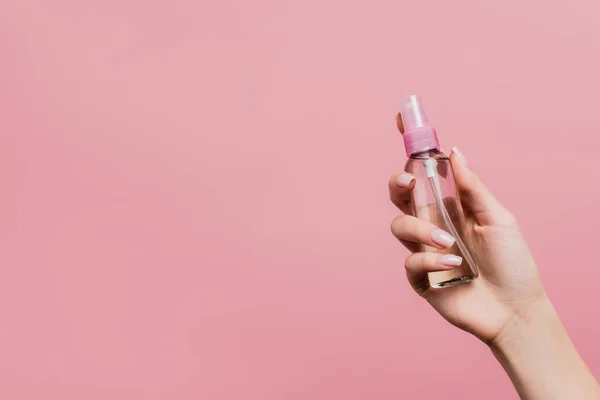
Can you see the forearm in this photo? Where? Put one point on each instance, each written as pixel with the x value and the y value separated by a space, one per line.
pixel 540 359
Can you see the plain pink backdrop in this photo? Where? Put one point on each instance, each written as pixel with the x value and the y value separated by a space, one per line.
pixel 194 194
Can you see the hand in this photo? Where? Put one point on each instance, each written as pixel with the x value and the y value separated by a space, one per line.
pixel 509 284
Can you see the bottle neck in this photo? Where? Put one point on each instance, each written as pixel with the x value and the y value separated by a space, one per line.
pixel 426 153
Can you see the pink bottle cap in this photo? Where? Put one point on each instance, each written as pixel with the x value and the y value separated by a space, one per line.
pixel 418 134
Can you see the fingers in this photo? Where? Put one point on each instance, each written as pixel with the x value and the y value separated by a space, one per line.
pixel 409 229
pixel 475 197
pixel 401 183
pixel 399 123
pixel 400 186
pixel 418 265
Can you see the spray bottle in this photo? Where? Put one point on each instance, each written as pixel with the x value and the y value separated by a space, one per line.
pixel 435 198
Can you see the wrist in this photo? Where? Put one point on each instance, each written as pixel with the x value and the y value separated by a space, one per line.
pixel 539 357
pixel 536 318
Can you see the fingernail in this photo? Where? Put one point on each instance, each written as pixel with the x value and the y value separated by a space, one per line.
pixel 404 180
pixel 442 238
pixel 460 155
pixel 450 260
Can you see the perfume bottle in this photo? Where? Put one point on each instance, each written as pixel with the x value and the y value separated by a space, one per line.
pixel 434 198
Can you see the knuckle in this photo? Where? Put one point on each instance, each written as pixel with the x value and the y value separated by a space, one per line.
pixel 409 263
pixel 431 259
pixel 392 181
pixel 397 223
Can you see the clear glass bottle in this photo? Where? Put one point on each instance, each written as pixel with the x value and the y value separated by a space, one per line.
pixel 434 198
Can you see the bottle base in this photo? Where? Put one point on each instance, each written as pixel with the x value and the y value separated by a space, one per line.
pixel 452 282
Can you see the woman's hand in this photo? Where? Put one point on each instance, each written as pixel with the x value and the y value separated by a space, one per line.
pixel 509 286
pixel 506 306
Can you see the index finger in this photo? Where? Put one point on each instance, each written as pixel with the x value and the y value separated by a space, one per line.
pixel 400 186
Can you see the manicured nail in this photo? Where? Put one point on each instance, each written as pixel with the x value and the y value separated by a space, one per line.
pixel 404 180
pixel 450 260
pixel 460 155
pixel 442 238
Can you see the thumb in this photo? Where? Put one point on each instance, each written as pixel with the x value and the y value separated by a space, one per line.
pixel 475 197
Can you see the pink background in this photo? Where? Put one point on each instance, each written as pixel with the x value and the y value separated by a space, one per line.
pixel 194 200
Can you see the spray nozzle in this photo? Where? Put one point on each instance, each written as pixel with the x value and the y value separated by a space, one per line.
pixel 413 114
pixel 418 134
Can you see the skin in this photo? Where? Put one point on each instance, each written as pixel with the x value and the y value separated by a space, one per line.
pixel 506 307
